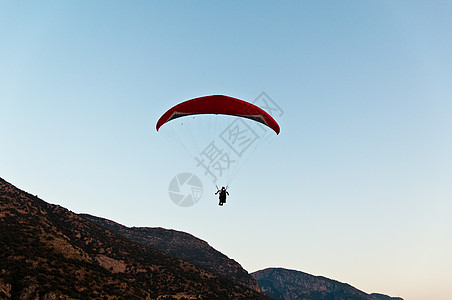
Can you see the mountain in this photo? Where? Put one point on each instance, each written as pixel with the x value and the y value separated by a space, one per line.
pixel 48 252
pixel 184 246
pixel 281 283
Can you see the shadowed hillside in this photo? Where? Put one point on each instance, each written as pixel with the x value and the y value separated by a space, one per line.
pixel 49 252
pixel 184 246
pixel 289 284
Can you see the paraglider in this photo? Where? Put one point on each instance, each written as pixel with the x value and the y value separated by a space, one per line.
pixel 243 132
pixel 222 197
pixel 219 104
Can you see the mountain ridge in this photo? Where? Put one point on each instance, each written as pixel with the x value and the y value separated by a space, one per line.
pixel 182 245
pixel 49 252
pixel 281 283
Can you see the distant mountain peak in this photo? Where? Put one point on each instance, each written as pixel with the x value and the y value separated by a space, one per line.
pixel 280 283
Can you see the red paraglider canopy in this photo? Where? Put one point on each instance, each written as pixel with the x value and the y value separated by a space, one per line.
pixel 219 104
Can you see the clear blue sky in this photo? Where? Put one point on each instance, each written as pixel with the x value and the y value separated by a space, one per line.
pixel 357 187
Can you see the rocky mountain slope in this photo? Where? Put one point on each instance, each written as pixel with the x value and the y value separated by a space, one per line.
pixel 281 283
pixel 184 246
pixel 48 252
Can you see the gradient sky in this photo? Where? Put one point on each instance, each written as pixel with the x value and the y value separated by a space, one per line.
pixel 357 187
